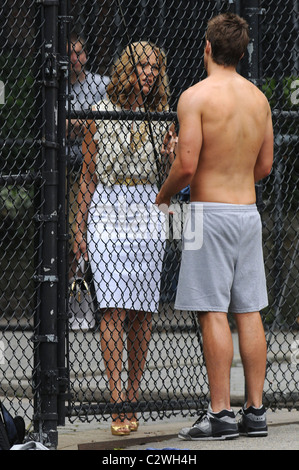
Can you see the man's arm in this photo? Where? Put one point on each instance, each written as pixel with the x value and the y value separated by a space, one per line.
pixel 264 160
pixel 188 149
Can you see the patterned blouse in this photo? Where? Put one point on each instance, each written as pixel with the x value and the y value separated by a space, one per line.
pixel 125 150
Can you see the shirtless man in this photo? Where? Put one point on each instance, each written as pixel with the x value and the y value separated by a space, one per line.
pixel 225 145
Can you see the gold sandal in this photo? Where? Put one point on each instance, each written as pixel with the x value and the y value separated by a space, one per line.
pixel 121 429
pixel 134 425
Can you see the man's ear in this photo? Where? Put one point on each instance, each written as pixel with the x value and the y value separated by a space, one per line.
pixel 208 47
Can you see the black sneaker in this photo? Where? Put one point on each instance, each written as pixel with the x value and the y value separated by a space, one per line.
pixel 253 422
pixel 212 426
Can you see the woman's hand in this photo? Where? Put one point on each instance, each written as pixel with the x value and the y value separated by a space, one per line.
pixel 80 246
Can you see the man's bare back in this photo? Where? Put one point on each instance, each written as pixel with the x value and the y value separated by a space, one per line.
pixel 225 141
pixel 234 115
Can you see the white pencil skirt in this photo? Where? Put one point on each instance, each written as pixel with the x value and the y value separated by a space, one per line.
pixel 126 237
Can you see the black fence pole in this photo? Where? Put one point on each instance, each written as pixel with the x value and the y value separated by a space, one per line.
pixel 251 11
pixel 63 65
pixel 48 278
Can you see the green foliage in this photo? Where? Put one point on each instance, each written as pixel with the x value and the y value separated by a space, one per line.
pixel 17 230
pixel 18 130
pixel 17 114
pixel 280 94
pixel 15 201
pixel 283 96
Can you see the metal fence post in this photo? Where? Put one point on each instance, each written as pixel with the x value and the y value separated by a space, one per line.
pixel 251 11
pixel 63 236
pixel 46 338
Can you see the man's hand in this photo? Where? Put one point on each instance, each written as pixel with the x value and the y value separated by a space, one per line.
pixel 163 204
pixel 169 144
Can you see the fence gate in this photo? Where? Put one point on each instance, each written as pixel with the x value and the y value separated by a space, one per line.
pixel 33 228
pixel 51 369
pixel 174 378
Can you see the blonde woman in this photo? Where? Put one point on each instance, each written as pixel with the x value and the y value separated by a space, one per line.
pixel 123 161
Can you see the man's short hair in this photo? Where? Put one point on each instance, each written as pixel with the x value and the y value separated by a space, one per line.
pixel 74 38
pixel 228 35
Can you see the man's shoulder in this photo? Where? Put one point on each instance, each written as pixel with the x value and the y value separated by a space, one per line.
pixel 259 97
pixel 197 87
pixel 193 96
pixel 96 79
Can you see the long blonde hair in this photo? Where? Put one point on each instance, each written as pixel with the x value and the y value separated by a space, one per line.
pixel 121 84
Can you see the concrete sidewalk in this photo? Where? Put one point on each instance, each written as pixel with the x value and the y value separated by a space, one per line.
pixel 283 427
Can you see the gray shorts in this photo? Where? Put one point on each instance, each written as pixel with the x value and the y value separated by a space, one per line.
pixel 225 271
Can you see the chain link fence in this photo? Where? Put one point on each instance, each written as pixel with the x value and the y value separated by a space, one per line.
pixel 21 199
pixel 174 376
pixel 279 81
pixel 57 61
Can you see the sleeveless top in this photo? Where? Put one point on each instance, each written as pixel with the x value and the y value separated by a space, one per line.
pixel 125 149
